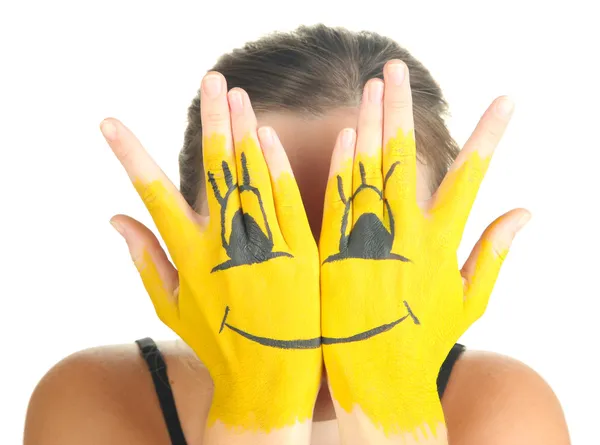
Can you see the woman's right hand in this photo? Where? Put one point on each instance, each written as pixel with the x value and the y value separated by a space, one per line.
pixel 245 294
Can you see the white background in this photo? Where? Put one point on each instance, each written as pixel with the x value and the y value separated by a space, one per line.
pixel 67 281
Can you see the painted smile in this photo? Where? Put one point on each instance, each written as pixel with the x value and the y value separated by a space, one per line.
pixel 313 343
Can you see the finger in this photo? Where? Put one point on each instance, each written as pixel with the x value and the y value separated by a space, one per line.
pixel 218 156
pixel 175 220
pixel 455 196
pixel 481 269
pixel 337 212
pixel 399 152
pixel 158 275
pixel 367 180
pixel 256 194
pixel 291 215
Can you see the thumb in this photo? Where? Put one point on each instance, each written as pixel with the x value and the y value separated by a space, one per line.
pixel 159 277
pixel 481 269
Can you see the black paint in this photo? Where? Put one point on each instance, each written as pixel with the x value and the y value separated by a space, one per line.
pixel 224 318
pixel 313 343
pixel 371 332
pixel 368 239
pixel 247 243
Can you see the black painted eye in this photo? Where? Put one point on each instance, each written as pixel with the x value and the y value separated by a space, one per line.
pixel 247 243
pixel 369 238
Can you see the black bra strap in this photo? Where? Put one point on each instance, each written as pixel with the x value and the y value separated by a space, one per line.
pixel 158 371
pixel 446 369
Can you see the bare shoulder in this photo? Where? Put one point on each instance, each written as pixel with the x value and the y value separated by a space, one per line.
pixel 496 400
pixel 106 395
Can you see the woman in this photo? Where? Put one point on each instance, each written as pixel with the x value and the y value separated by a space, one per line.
pixel 306 85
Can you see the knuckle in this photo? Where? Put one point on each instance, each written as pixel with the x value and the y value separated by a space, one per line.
pixel 372 173
pixel 126 155
pixel 475 174
pixel 501 251
pixel 492 133
pixel 149 194
pixel 215 118
pixel 371 121
pixel 213 164
pixel 286 208
pixel 398 104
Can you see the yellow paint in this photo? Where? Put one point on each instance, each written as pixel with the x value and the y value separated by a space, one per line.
pixel 367 201
pixel 402 149
pixel 257 388
pixel 391 377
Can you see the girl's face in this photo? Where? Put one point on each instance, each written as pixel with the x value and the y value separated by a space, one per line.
pixel 309 142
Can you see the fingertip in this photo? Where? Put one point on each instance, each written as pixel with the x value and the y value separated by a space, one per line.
pixel 522 220
pixel 213 85
pixel 343 151
pixel 394 62
pixel 504 106
pixel 109 129
pixel 395 71
pixel 125 224
pixel 117 226
pixel 274 153
pixel 266 135
pixel 136 235
pixel 501 233
pixel 215 73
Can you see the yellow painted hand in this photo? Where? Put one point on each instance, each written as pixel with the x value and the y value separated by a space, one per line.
pixel 394 299
pixel 247 297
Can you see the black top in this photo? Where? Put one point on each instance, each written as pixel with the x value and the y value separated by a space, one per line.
pixel 158 370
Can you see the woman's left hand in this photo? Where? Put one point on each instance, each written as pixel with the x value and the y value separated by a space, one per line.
pixel 394 299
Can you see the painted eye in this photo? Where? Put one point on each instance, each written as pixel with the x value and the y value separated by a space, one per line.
pixel 368 238
pixel 245 235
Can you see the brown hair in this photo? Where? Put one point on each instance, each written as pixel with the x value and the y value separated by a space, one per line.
pixel 315 69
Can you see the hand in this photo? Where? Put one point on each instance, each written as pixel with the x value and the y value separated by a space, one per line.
pixel 245 294
pixel 394 299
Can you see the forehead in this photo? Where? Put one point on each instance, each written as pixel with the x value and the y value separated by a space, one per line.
pixel 309 141
pixel 308 130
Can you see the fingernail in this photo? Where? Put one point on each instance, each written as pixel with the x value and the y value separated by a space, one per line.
pixel 397 73
pixel 109 131
pixel 523 220
pixel 236 101
pixel 504 107
pixel 376 92
pixel 118 227
pixel 212 85
pixel 348 138
pixel 266 136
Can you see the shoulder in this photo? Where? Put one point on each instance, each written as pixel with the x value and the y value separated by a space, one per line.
pixel 106 395
pixel 494 399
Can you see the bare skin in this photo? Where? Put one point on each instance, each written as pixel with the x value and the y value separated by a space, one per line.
pixel 105 395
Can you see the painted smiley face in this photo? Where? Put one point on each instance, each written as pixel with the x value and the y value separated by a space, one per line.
pixel 249 244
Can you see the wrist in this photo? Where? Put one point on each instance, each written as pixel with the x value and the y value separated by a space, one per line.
pixel 264 399
pixel 403 405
